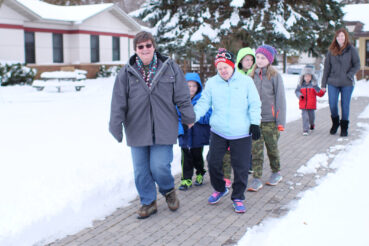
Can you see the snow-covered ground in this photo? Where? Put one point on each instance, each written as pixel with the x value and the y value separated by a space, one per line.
pixel 333 213
pixel 60 169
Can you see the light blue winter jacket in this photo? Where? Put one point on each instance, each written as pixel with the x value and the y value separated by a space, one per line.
pixel 235 103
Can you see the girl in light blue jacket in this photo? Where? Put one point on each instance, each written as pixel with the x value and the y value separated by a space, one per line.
pixel 236 117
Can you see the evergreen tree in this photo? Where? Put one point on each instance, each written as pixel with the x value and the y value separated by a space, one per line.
pixel 289 25
pixel 184 29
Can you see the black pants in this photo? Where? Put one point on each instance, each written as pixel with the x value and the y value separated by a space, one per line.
pixel 192 158
pixel 240 161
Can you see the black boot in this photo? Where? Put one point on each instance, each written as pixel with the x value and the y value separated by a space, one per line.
pixel 344 127
pixel 335 125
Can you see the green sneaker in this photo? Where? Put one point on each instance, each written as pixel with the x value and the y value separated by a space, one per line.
pixel 199 180
pixel 185 184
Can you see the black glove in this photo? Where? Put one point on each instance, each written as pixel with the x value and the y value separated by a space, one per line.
pixel 185 127
pixel 255 132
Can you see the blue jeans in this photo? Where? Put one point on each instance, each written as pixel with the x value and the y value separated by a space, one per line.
pixel 151 164
pixel 333 93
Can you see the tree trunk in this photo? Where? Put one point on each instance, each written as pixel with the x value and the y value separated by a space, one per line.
pixel 202 68
pixel 284 61
pixel 184 66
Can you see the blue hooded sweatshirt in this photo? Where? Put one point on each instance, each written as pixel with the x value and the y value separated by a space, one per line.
pixel 198 135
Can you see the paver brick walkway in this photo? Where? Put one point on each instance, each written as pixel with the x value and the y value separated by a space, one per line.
pixel 197 223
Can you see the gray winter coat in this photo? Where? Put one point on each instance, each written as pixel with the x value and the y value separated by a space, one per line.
pixel 149 115
pixel 272 96
pixel 340 70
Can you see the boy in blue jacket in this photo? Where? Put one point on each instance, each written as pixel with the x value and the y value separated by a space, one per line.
pixel 192 140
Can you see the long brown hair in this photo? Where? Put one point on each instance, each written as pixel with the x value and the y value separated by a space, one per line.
pixel 271 71
pixel 335 48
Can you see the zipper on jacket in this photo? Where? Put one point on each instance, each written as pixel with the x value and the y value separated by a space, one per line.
pixel 261 86
pixel 229 105
pixel 151 113
pixel 152 121
pixel 158 73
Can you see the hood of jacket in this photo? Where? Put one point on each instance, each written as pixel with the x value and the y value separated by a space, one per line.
pixel 314 80
pixel 195 77
pixel 240 55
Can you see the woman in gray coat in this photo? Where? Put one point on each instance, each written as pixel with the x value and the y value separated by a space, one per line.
pixel 145 96
pixel 340 66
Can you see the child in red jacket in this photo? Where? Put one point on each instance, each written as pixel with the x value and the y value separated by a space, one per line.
pixel 307 90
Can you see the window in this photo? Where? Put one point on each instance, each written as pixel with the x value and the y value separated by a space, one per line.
pixel 29 47
pixel 116 49
pixel 94 40
pixel 367 53
pixel 57 47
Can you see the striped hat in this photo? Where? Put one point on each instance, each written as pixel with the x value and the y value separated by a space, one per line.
pixel 224 56
pixel 268 51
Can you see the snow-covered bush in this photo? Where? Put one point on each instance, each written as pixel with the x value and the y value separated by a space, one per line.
pixel 108 72
pixel 16 73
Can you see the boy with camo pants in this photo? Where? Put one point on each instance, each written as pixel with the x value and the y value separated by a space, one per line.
pixel 273 116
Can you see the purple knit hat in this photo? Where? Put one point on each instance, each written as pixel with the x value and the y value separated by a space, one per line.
pixel 268 51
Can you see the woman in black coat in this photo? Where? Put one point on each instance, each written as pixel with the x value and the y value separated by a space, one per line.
pixel 340 66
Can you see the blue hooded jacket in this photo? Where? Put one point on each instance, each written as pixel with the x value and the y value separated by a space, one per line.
pixel 198 135
pixel 235 103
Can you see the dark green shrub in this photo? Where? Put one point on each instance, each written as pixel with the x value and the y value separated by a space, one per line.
pixel 16 73
pixel 108 72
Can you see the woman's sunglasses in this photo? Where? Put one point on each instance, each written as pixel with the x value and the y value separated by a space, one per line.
pixel 148 46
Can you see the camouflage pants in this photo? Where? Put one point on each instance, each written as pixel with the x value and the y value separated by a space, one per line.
pixel 227 168
pixel 269 136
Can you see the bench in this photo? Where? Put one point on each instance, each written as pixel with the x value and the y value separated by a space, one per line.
pixel 61 78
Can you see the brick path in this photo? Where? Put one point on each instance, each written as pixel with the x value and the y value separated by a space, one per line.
pixel 197 223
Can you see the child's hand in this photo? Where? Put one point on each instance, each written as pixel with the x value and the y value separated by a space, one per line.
pixel 190 125
pixel 185 127
pixel 280 128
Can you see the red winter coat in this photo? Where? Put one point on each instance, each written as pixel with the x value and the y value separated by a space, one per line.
pixel 307 94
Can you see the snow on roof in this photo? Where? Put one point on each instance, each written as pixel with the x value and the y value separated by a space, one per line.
pixel 357 12
pixel 64 13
